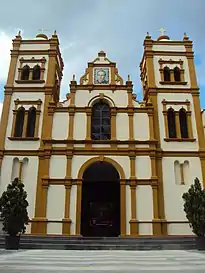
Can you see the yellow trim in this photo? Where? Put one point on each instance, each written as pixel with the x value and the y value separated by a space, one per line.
pixel 68 185
pixel 25 124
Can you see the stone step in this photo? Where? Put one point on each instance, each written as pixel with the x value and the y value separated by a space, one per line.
pixel 81 243
pixel 103 247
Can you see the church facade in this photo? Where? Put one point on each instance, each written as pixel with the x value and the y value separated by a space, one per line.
pixel 102 163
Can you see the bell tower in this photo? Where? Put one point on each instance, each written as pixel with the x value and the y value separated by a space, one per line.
pixel 169 82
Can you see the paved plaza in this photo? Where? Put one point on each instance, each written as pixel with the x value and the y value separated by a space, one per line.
pixel 30 261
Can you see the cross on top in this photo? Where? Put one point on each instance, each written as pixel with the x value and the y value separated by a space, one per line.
pixel 42 30
pixel 162 31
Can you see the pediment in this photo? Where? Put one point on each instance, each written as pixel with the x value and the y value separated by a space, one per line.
pixel 101 71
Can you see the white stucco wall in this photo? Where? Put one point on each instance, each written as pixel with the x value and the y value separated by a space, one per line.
pixel 29 178
pixel 170 47
pixel 174 210
pixel 119 97
pixel 124 162
pixel 32 46
pixel 60 126
pixel 122 126
pixel 55 202
pixel 77 162
pixel 144 203
pixel 178 146
pixel 141 126
pixel 23 145
pixel 57 168
pixel 143 167
pixel 80 126
pixel 55 208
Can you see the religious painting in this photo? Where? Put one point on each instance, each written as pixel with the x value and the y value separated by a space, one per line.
pixel 101 75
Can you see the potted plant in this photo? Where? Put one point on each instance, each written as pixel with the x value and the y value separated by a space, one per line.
pixel 194 207
pixel 13 211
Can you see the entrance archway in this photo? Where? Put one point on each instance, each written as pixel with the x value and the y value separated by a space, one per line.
pixel 100 202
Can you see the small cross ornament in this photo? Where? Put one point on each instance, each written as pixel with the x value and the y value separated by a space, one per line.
pixel 42 30
pixel 162 31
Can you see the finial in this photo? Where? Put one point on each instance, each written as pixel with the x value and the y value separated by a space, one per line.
pixel 54 32
pixel 128 78
pixel 148 36
pixel 73 77
pixel 162 31
pixel 185 36
pixel 18 36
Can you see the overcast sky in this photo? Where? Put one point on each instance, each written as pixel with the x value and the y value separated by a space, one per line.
pixel 116 26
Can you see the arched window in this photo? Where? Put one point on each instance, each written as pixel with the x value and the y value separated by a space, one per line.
pixel 177 77
pixel 166 74
pixel 171 123
pixel 183 123
pixel 30 131
pixel 19 122
pixel 25 73
pixel 101 121
pixel 36 72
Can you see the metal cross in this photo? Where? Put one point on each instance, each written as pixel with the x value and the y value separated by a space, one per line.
pixel 162 30
pixel 42 30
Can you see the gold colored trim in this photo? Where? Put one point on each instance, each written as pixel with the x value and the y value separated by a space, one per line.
pixel 161 62
pixel 196 103
pixel 122 192
pixel 172 82
pixel 78 109
pixel 13 124
pixel 189 124
pixel 67 221
pixel 131 125
pixel 38 226
pixel 178 130
pixel 152 91
pixel 179 139
pixel 37 124
pixel 175 102
pixel 102 151
pixel 29 81
pixel 25 124
pixel 151 125
pixel 134 226
pixel 88 128
pixel 71 124
pixel 8 94
pixel 27 102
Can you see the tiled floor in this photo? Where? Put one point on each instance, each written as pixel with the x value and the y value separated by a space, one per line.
pixel 58 261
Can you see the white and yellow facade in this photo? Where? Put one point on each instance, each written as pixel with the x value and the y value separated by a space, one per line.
pixel 154 168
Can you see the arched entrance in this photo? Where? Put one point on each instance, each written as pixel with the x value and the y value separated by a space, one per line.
pixel 100 203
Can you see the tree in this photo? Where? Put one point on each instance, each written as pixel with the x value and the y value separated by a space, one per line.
pixel 194 207
pixel 13 208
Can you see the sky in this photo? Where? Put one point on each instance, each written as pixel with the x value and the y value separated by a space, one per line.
pixel 116 26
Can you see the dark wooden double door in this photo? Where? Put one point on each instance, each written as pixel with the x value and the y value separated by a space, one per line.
pixel 100 211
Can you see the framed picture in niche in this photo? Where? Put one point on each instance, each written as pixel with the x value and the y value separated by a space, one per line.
pixel 101 75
